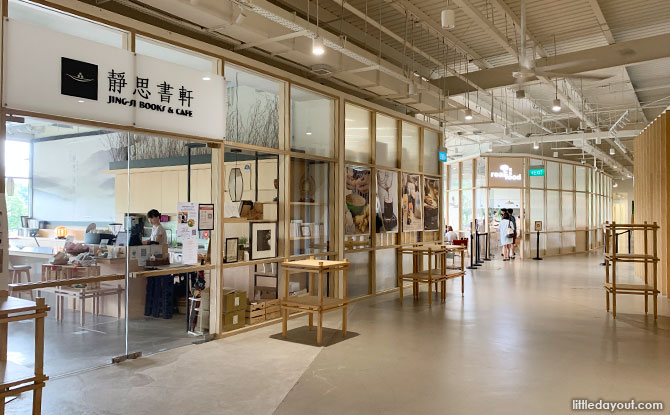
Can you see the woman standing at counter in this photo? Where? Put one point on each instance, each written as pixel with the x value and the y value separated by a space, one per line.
pixel 158 234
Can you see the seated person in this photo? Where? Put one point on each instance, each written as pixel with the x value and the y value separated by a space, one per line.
pixel 451 235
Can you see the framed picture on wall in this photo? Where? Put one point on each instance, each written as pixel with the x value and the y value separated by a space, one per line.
pixel 231 250
pixel 263 240
pixel 431 204
pixel 412 213
pixel 357 200
pixel 387 200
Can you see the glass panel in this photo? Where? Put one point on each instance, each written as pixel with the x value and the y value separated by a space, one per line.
pixel 454 203
pixel 537 181
pixel 553 244
pixel 386 262
pixel 536 208
pixel 310 219
pixel 567 242
pixel 252 177
pixel 161 179
pixel 480 211
pixel 589 180
pixel 567 177
pixel 581 218
pixel 481 172
pixel 254 108
pixel 387 141
pixel 312 122
pixel 358 280
pixel 466 174
pixel 567 209
pixel 454 177
pixel 357 134
pixel 65 23
pixel 410 147
pixel 431 147
pixel 580 178
pixel 551 174
pixel 553 212
pixel 174 54
pixel 67 185
pixel 466 209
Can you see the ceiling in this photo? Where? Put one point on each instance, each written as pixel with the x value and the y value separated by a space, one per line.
pixel 395 52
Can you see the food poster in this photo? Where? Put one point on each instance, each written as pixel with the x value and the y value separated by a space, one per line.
pixel 431 204
pixel 387 201
pixel 411 203
pixel 187 220
pixel 357 201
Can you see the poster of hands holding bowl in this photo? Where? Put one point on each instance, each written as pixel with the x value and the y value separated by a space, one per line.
pixel 357 201
pixel 412 217
pixel 387 200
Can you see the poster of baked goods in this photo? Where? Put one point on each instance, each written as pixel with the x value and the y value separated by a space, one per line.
pixel 387 201
pixel 357 201
pixel 431 204
pixel 411 203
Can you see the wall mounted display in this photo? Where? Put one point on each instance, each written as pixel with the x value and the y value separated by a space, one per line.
pixel 231 250
pixel 505 172
pixel 263 240
pixel 431 204
pixel 357 200
pixel 387 200
pixel 411 203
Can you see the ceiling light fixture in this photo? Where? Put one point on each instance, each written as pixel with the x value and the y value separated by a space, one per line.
pixel 468 114
pixel 412 88
pixel 508 132
pixel 536 145
pixel 555 154
pixel 448 18
pixel 612 152
pixel 556 106
pixel 615 185
pixel 206 78
pixel 583 161
pixel 317 46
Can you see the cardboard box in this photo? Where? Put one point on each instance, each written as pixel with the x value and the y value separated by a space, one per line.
pixel 233 320
pixel 234 300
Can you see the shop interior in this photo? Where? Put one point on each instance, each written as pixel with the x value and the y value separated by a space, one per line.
pixel 78 199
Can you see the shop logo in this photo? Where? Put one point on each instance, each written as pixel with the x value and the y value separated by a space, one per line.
pixel 78 79
pixel 506 174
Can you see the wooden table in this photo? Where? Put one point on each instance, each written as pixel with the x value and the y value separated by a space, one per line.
pixel 314 304
pixel 434 274
pixel 16 379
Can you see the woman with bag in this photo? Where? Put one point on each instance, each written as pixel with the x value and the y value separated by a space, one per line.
pixel 507 233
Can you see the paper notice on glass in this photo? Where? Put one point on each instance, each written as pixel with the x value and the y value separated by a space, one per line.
pixel 187 220
pixel 189 251
pixel 206 217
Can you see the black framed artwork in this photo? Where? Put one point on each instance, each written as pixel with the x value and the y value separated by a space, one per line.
pixel 231 250
pixel 263 240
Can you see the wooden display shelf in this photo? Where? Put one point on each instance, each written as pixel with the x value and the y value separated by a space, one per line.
pixel 436 275
pixel 436 254
pixel 245 220
pixel 17 379
pixel 645 259
pixel 316 302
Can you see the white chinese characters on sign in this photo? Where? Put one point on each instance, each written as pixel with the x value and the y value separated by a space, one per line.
pixel 506 173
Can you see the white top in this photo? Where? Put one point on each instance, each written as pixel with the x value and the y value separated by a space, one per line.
pixel 158 234
pixel 504 225
pixel 451 236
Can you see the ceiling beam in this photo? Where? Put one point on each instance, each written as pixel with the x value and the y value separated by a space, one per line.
pixel 505 9
pixel 474 14
pixel 271 40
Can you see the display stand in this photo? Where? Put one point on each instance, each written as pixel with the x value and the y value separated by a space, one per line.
pixel 17 379
pixel 315 303
pixel 646 259
pixel 439 273
pixel 537 253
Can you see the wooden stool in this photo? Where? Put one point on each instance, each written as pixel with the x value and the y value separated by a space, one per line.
pixel 17 272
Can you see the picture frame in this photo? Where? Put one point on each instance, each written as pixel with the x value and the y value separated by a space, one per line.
pixel 263 240
pixel 538 225
pixel 305 231
pixel 231 250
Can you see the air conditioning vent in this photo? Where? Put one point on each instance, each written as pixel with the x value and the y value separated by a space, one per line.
pixel 322 69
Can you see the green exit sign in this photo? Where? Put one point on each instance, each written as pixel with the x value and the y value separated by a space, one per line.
pixel 536 172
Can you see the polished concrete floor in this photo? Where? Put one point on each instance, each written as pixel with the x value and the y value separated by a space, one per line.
pixel 526 338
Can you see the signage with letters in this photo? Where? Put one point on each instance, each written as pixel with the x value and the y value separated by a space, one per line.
pixel 536 171
pixel 505 171
pixel 68 76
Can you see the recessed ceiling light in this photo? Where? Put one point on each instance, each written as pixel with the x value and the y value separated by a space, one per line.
pixel 80 100
pixel 206 78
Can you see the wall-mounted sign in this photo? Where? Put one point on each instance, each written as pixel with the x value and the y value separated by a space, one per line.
pixel 505 171
pixel 442 155
pixel 536 172
pixel 73 77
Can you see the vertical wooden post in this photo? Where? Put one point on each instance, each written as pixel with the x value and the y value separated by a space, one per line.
pixel 655 275
pixel 284 323
pixel 39 357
